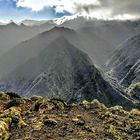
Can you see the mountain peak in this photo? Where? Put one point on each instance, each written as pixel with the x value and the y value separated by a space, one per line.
pixel 12 23
pixel 59 30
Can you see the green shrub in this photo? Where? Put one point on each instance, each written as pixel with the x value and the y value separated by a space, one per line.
pixel 86 104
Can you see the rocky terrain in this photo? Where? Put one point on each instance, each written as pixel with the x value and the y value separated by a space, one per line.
pixel 65 90
pixel 125 65
pixel 40 118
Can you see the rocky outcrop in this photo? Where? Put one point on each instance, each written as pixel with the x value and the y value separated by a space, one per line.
pixel 43 118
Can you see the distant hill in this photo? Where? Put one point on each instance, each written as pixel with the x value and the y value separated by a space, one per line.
pixel 11 34
pixel 34 22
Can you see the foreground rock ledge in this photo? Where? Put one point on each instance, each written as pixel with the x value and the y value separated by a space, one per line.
pixel 42 118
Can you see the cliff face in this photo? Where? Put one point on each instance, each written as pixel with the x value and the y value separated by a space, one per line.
pixel 43 118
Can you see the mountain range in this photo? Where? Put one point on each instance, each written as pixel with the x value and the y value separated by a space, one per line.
pixel 98 38
pixel 79 59
pixel 12 34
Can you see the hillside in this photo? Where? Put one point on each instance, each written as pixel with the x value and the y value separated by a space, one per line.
pixel 125 64
pixel 99 38
pixel 61 69
pixel 31 48
pixel 42 118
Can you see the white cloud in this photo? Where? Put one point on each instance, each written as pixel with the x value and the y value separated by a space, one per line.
pixel 4 22
pixel 59 5
pixel 124 17
pixel 101 9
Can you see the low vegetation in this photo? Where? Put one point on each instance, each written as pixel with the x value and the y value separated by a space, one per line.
pixel 42 118
pixel 134 87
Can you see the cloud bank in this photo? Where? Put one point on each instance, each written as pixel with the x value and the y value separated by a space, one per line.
pixel 101 9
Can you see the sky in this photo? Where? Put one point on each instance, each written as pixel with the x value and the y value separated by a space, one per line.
pixel 18 10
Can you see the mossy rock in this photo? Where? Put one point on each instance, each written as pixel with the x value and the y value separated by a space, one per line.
pixel 13 95
pixel 36 98
pixel 133 87
pixel 36 106
pixel 6 119
pixel 4 131
pixel 1 108
pixel 59 103
pixel 114 132
pixel 14 102
pixel 14 112
pixel 49 122
pixel 96 104
pixel 4 96
pixel 135 112
pixel 4 128
pixel 27 100
pixel 46 105
pixel 86 104
pixel 134 90
pixel 118 110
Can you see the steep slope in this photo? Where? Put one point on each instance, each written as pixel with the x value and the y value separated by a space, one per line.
pixel 125 64
pixel 100 38
pixel 125 57
pixel 12 34
pixel 28 49
pixel 62 70
pixel 97 38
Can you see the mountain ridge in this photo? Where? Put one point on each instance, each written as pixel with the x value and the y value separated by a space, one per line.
pixel 62 70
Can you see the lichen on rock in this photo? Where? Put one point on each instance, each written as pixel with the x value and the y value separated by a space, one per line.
pixel 51 118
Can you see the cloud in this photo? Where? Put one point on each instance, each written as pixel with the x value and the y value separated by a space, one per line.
pixel 101 9
pixel 122 6
pixel 71 6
